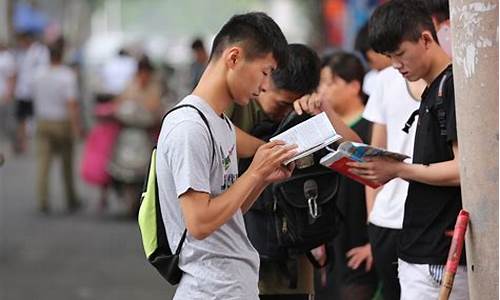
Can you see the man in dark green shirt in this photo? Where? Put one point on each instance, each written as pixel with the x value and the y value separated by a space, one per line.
pixel 298 78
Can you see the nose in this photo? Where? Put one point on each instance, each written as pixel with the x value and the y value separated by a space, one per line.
pixel 265 85
pixel 396 64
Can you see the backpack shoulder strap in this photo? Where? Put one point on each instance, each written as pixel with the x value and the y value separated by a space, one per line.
pixel 441 112
pixel 203 117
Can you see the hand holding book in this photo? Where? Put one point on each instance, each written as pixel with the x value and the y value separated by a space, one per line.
pixel 366 164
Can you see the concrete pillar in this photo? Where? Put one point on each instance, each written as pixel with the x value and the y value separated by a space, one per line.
pixel 475 66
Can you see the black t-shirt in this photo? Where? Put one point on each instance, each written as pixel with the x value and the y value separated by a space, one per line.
pixel 431 211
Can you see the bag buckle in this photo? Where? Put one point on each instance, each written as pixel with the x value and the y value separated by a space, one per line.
pixel 311 194
pixel 313 207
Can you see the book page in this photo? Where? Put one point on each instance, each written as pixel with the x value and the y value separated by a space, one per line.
pixel 310 135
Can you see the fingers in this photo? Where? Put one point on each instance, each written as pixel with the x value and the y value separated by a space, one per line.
pixel 300 105
pixel 297 107
pixel 369 263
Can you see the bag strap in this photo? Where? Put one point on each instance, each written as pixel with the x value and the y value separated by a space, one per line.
pixel 183 238
pixel 204 121
pixel 410 121
pixel 441 112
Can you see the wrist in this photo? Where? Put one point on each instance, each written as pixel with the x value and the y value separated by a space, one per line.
pixel 401 170
pixel 254 178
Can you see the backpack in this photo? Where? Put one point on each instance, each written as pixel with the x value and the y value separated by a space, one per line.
pixel 296 215
pixel 153 232
pixel 440 111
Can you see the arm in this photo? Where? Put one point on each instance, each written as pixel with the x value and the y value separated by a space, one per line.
pixel 313 104
pixel 379 139
pixel 246 145
pixel 74 117
pixel 203 215
pixel 440 174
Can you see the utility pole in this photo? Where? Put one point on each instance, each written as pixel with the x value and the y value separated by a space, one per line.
pixel 475 68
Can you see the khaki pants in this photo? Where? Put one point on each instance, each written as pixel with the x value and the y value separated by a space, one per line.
pixel 54 138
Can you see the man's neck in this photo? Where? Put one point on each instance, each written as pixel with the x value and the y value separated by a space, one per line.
pixel 351 112
pixel 213 89
pixel 439 63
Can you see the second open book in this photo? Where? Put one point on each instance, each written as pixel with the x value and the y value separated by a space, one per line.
pixel 317 133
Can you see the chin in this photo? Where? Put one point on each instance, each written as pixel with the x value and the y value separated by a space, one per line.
pixel 242 102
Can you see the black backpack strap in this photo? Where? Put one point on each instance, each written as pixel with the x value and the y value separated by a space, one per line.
pixel 163 235
pixel 204 121
pixel 441 112
pixel 410 121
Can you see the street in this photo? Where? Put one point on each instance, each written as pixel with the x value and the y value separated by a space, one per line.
pixel 86 255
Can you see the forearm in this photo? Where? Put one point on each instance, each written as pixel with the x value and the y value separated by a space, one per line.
pixel 246 145
pixel 341 128
pixel 205 217
pixel 252 198
pixel 441 174
pixel 74 117
pixel 370 195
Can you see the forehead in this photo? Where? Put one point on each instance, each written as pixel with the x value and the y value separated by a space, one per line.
pixel 284 95
pixel 265 61
pixel 404 46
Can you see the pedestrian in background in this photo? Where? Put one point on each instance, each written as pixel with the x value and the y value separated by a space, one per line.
pixel 31 56
pixel 58 124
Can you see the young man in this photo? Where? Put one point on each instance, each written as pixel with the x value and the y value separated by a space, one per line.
pixel 299 77
pixel 197 166
pixel 32 55
pixel 58 124
pixel 376 61
pixel 404 31
pixel 440 13
pixel 341 88
pixel 200 59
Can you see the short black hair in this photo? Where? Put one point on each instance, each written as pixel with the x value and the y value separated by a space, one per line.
pixel 440 9
pixel 348 67
pixel 56 54
pixel 301 73
pixel 361 43
pixel 197 44
pixel 258 35
pixel 397 21
pixel 144 64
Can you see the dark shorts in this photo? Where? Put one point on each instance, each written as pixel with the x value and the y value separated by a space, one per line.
pixel 24 109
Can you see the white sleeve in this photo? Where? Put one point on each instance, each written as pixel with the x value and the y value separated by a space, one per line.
pixel 375 108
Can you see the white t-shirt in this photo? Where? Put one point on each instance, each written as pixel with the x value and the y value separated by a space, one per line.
pixel 224 265
pixel 391 104
pixel 53 88
pixel 117 73
pixel 7 70
pixel 370 81
pixel 37 56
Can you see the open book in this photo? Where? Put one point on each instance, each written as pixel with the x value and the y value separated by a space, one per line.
pixel 310 136
pixel 358 152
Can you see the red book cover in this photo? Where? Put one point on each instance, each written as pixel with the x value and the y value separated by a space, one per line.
pixel 341 167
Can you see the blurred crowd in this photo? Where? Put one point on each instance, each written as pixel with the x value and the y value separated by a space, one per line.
pixel 41 100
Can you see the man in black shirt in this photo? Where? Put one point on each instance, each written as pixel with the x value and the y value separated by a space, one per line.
pixel 403 30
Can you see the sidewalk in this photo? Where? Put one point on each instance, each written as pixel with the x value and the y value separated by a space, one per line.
pixel 60 256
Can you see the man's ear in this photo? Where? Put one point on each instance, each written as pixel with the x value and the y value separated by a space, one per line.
pixel 232 56
pixel 427 38
pixel 355 86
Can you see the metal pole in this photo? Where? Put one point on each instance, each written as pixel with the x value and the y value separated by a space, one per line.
pixel 475 67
